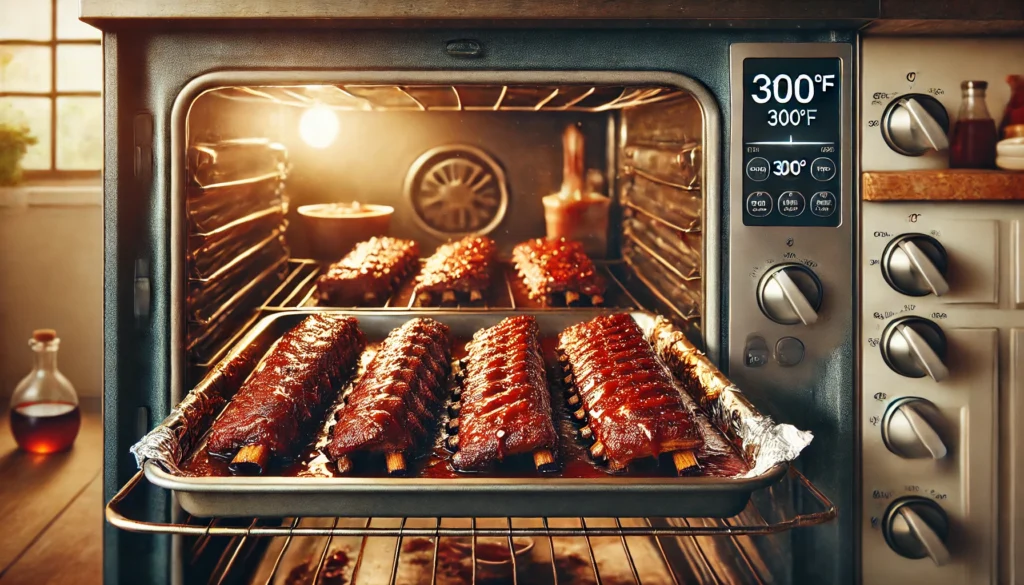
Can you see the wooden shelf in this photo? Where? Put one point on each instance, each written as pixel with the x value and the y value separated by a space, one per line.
pixel 942 185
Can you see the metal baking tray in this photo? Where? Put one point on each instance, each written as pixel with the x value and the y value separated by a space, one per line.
pixel 480 496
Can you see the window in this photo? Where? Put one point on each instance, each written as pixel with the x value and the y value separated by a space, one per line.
pixel 51 74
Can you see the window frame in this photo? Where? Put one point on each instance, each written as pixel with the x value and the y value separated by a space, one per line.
pixel 53 172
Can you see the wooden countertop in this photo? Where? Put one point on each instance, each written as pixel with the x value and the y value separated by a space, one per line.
pixel 51 507
pixel 942 185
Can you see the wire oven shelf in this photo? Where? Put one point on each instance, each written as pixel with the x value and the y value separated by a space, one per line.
pixel 299 286
pixel 732 526
pixel 686 553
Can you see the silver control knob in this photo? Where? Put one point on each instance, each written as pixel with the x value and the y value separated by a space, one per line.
pixel 909 429
pixel 916 528
pixel 915 265
pixel 914 124
pixel 915 348
pixel 790 294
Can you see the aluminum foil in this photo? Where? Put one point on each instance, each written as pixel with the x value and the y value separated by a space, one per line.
pixel 174 438
pixel 763 442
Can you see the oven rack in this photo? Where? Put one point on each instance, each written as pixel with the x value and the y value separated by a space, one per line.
pixel 682 204
pixel 456 98
pixel 752 521
pixel 680 559
pixel 298 287
pixel 703 550
pixel 633 207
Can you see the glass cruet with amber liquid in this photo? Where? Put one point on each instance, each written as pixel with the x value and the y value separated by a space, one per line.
pixel 44 408
pixel 972 144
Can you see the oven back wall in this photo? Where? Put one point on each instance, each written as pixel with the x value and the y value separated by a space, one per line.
pixel 374 151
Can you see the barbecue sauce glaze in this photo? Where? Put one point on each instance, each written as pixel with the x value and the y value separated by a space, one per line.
pixel 434 462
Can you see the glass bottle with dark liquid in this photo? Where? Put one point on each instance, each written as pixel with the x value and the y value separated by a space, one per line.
pixel 44 408
pixel 972 144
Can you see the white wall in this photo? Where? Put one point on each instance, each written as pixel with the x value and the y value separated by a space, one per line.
pixel 51 275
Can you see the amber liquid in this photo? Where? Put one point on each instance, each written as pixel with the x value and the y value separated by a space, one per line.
pixel 45 427
pixel 973 145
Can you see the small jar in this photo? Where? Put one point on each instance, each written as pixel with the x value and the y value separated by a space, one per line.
pixel 44 408
pixel 972 144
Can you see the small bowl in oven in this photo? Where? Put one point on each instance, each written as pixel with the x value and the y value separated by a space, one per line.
pixel 335 228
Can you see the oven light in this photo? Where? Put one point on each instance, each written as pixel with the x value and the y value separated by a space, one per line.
pixel 319 126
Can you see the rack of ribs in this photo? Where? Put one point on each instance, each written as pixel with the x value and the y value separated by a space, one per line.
pixel 368 274
pixel 558 272
pixel 394 405
pixel 505 406
pixel 631 404
pixel 287 393
pixel 457 272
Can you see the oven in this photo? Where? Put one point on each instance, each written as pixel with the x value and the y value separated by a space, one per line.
pixel 732 161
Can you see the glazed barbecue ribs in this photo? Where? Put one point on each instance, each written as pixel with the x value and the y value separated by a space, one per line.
pixel 394 405
pixel 505 405
pixel 368 274
pixel 558 273
pixel 287 393
pixel 632 406
pixel 458 272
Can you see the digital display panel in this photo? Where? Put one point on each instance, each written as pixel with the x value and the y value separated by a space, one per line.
pixel 792 116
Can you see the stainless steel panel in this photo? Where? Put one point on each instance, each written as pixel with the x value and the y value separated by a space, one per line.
pixel 817 393
pixel 754 250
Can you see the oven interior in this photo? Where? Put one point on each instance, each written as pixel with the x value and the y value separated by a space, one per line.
pixel 256 154
pixel 451 161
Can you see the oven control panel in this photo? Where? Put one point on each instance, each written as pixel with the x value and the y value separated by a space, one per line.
pixel 930 335
pixel 790 241
pixel 792 112
pixel 941 333
pixel 791 292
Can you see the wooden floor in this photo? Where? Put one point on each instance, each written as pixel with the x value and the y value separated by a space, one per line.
pixel 51 508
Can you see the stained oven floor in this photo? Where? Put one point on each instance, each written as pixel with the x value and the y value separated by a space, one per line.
pixel 51 507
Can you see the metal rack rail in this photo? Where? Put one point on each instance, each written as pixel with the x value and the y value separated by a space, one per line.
pixel 761 526
pixel 300 284
pixel 456 98
pixel 659 550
